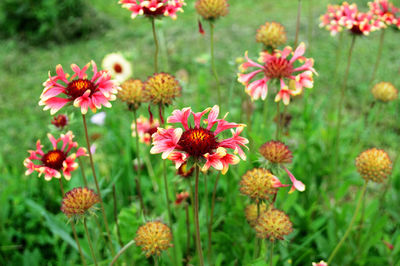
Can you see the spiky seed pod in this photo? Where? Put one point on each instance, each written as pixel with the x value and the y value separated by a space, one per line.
pixel 161 88
pixel 385 92
pixel 153 238
pixel 271 34
pixel 276 152
pixel 79 202
pixel 131 93
pixel 212 9
pixel 258 184
pixel 273 224
pixel 251 213
pixel 374 164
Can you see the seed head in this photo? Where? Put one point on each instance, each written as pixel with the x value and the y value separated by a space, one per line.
pixel 212 9
pixel 276 152
pixel 60 121
pixel 258 184
pixel 251 213
pixel 374 164
pixel 161 88
pixel 153 238
pixel 385 92
pixel 271 34
pixel 131 93
pixel 79 202
pixel 273 224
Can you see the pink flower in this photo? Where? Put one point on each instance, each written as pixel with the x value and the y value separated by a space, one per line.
pixel 278 66
pixel 385 11
pixel 321 263
pixel 330 20
pixel 146 128
pixel 78 89
pixel 153 8
pixel 56 160
pixel 201 141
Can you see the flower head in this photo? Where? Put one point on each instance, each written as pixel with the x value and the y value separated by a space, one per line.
pixel 374 165
pixel 153 238
pixel 153 8
pixel 184 172
pixel 78 89
pixel 385 11
pixel 56 160
pixel 118 66
pixel 79 202
pixel 273 224
pixel 145 129
pixel 161 88
pixel 330 20
pixel 132 93
pixel 271 34
pixel 278 66
pixel 181 197
pixel 60 121
pixel 251 212
pixel 212 9
pixel 321 263
pixel 385 92
pixel 200 142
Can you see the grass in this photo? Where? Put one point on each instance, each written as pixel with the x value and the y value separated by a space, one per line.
pixel 32 229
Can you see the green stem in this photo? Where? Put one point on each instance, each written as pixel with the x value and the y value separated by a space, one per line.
pixel 187 231
pixel 278 121
pixel 210 224
pixel 116 215
pixel 378 58
pixel 346 234
pixel 271 254
pixel 153 26
pixel 138 176
pixel 97 186
pixel 130 243
pixel 213 68
pixel 90 242
pixel 82 172
pixel 257 247
pixel 338 53
pixel 207 218
pixel 196 217
pixel 296 39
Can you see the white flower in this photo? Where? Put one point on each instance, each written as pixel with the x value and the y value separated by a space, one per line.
pixel 119 67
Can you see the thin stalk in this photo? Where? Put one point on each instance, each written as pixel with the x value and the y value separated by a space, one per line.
pixel 378 58
pixel 278 121
pixel 82 172
pixel 138 176
pixel 340 106
pixel 116 215
pixel 310 20
pixel 90 242
pixel 130 243
pixel 338 53
pixel 346 234
pixel 207 218
pixel 73 228
pixel 257 247
pixel 271 254
pixel 155 260
pixel 296 39
pixel 210 224
pixel 153 26
pixel 187 229
pixel 214 70
pixel 196 217
pixel 97 186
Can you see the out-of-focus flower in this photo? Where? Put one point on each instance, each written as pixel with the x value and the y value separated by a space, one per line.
pixel 385 92
pixel 119 67
pixel 385 11
pixel 212 9
pixel 374 165
pixel 271 34
pixel 273 224
pixel 277 66
pixel 251 212
pixel 93 148
pixel 184 172
pixel 78 89
pixel 161 88
pixel 55 160
pixel 181 197
pixel 132 93
pixel 60 121
pixel 202 143
pixel 388 245
pixel 321 263
pixel 153 8
pixel 330 20
pixel 79 203
pixel 153 238
pixel 98 119
pixel 146 128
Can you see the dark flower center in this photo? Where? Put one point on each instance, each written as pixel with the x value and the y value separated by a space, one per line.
pixel 117 68
pixel 198 141
pixel 54 159
pixel 278 67
pixel 356 30
pixel 158 12
pixel 152 130
pixel 60 121
pixel 77 88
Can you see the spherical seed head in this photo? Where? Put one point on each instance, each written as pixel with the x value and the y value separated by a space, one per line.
pixel 212 9
pixel 273 224
pixel 276 152
pixel 79 202
pixel 153 238
pixel 258 184
pixel 251 213
pixel 131 93
pixel 385 92
pixel 374 164
pixel 161 88
pixel 271 34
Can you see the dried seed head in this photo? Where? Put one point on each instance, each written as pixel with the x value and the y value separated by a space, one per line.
pixel 271 34
pixel 79 202
pixel 251 213
pixel 385 92
pixel 374 164
pixel 131 93
pixel 153 238
pixel 161 88
pixel 258 184
pixel 212 9
pixel 273 224
pixel 276 152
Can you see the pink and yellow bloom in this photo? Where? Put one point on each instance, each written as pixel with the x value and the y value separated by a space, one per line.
pixel 78 89
pixel 202 143
pixel 357 22
pixel 385 11
pixel 153 8
pixel 56 160
pixel 278 66
pixel 145 129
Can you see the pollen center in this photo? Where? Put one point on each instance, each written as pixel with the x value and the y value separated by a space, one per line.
pixel 198 141
pixel 77 88
pixel 54 159
pixel 278 68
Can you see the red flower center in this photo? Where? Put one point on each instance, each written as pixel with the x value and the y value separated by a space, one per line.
pixel 117 68
pixel 60 121
pixel 356 30
pixel 152 130
pixel 278 67
pixel 54 159
pixel 158 12
pixel 78 87
pixel 198 141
